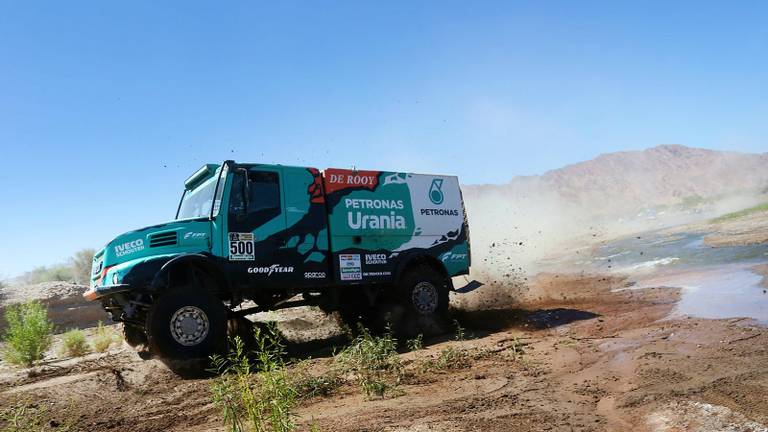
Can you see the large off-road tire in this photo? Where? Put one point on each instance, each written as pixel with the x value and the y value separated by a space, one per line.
pixel 187 324
pixel 420 304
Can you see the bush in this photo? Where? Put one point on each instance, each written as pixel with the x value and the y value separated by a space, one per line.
pixel 374 362
pixel 81 264
pixel 416 343
pixel 103 338
pixel 59 272
pixel 29 333
pixel 264 399
pixel 308 385
pixel 449 358
pixel 73 344
pixel 77 269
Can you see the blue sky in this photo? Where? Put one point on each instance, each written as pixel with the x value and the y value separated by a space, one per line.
pixel 106 107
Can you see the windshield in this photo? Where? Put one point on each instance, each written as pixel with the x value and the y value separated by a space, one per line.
pixel 197 202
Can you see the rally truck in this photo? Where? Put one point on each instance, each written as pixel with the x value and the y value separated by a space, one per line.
pixel 249 238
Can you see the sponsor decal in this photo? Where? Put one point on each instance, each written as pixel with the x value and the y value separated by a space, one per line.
pixel 450 256
pixel 315 189
pixel 373 204
pixel 338 179
pixel 439 212
pixel 269 271
pixel 195 235
pixel 314 275
pixel 377 274
pixel 241 247
pixel 375 259
pixel 359 220
pixel 130 247
pixel 436 192
pixel 349 267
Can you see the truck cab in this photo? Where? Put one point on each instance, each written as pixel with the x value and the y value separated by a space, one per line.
pixel 273 236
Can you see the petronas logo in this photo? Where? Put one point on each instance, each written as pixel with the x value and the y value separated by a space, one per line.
pixel 436 192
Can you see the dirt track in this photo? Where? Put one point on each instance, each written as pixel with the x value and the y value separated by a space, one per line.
pixel 599 360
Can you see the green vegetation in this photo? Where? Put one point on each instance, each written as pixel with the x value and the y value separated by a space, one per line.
pixel 741 213
pixel 461 333
pixel 81 263
pixel 517 348
pixel 263 400
pixel 449 358
pixel 58 272
pixel 416 343
pixel 29 415
pixel 73 344
pixel 77 269
pixel 28 335
pixel 309 385
pixel 104 338
pixel 374 362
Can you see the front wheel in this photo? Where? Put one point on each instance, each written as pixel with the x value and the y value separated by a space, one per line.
pixel 186 324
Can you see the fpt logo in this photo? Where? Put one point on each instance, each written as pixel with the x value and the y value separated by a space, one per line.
pixel 436 192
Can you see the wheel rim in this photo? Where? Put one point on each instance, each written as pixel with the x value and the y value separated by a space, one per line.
pixel 189 326
pixel 425 298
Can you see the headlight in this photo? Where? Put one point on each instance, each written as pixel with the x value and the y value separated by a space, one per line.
pixel 115 278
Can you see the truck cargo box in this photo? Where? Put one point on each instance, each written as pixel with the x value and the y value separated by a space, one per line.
pixel 377 220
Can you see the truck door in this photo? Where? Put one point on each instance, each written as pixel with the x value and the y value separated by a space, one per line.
pixel 256 221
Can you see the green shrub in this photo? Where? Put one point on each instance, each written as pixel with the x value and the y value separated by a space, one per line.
pixel 460 331
pixel 308 385
pixel 81 263
pixel 264 399
pixel 742 213
pixel 29 333
pixel 77 269
pixel 374 361
pixel 104 338
pixel 416 343
pixel 73 344
pixel 448 359
pixel 58 272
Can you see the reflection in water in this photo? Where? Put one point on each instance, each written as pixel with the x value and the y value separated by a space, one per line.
pixel 724 291
pixel 716 282
pixel 681 251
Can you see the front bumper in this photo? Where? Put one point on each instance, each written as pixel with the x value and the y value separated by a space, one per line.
pixel 100 291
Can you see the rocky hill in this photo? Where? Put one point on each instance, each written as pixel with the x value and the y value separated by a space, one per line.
pixel 661 176
pixel 618 193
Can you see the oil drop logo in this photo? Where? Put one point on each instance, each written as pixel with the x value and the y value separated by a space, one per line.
pixel 436 192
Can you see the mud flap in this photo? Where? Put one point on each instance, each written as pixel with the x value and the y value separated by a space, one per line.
pixel 469 287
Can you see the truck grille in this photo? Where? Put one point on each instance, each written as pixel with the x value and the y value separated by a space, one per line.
pixel 163 239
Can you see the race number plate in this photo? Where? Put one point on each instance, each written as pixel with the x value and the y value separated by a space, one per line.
pixel 241 247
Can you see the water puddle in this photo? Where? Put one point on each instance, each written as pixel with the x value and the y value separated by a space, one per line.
pixel 726 291
pixel 716 282
pixel 652 251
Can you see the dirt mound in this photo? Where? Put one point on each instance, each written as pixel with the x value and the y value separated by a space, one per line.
pixel 66 306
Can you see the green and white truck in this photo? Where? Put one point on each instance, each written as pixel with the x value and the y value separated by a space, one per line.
pixel 273 236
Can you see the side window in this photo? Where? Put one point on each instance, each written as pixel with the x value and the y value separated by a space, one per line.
pixel 263 202
pixel 264 189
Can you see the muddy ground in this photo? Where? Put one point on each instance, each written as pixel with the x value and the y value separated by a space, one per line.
pixel 591 355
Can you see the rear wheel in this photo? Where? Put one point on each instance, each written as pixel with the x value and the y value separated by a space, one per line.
pixel 421 302
pixel 186 323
